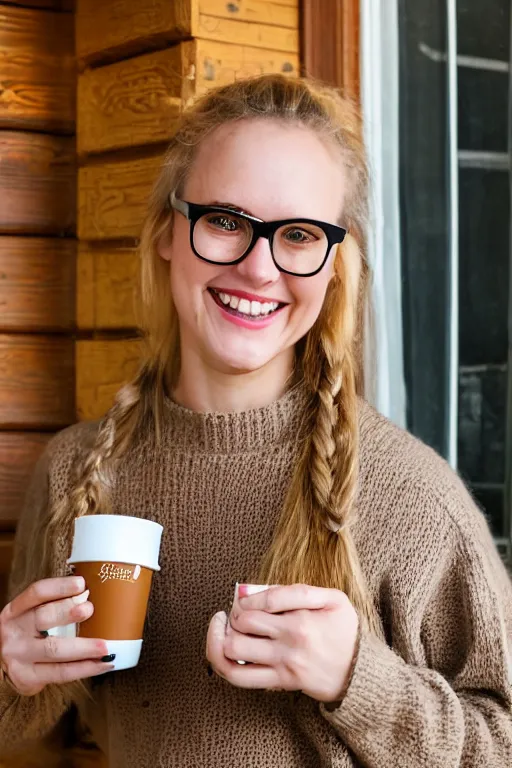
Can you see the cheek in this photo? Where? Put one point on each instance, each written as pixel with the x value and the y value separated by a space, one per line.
pixel 310 295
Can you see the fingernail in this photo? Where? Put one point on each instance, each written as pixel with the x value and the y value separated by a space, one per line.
pixel 109 658
pixel 80 583
pixel 79 599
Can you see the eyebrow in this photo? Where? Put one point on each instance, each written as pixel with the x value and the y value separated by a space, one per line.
pixel 232 207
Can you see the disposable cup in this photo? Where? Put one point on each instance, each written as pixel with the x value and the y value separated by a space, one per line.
pixel 117 556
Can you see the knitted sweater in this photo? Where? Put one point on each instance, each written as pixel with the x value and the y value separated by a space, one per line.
pixel 435 694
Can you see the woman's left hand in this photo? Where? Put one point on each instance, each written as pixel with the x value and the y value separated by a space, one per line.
pixel 298 638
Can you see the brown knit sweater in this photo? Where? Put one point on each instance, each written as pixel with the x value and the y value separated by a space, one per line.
pixel 437 694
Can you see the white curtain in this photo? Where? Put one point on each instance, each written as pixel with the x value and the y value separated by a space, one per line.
pixel 380 102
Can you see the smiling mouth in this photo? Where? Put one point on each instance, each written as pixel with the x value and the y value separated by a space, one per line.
pixel 243 308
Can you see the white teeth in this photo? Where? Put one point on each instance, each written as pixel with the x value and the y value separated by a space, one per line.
pixel 246 307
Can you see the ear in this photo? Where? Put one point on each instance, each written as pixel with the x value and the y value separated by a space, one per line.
pixel 164 246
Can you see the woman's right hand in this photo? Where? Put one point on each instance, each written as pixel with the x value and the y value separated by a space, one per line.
pixel 31 660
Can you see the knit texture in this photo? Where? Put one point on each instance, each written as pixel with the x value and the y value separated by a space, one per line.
pixel 436 693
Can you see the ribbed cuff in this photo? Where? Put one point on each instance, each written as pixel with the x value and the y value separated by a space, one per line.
pixel 375 684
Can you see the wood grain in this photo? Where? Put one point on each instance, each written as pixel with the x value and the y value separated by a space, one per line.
pixel 108 30
pixel 36 382
pixel 219 64
pixel 6 551
pixel 37 184
pixel 37 283
pixel 112 197
pixel 106 287
pixel 19 452
pixel 102 367
pixel 330 43
pixel 51 5
pixel 226 30
pixel 130 103
pixel 37 70
pixel 255 11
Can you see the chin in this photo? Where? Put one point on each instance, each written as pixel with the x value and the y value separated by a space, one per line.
pixel 242 361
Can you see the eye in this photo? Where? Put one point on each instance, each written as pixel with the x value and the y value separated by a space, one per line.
pixel 298 236
pixel 223 222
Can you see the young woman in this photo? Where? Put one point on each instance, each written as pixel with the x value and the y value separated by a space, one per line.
pixel 385 640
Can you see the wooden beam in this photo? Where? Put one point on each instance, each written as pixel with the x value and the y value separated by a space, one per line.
pixel 107 31
pixel 102 367
pixel 330 43
pixel 37 184
pixel 37 284
pixel 107 281
pixel 255 11
pixel 19 452
pixel 36 382
pixel 37 70
pixel 50 5
pixel 112 197
pixel 218 64
pixel 130 103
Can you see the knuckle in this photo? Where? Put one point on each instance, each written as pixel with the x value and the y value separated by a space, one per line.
pixel 35 592
pixel 301 632
pixel 51 647
pixel 271 601
pixel 302 591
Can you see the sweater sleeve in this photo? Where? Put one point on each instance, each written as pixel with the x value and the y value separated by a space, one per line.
pixel 24 718
pixel 440 714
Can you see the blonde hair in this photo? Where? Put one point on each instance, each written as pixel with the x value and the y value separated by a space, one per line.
pixel 313 541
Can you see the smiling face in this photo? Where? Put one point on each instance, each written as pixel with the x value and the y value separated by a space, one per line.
pixel 243 317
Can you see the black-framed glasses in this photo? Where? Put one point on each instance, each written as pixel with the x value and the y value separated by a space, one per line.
pixel 219 235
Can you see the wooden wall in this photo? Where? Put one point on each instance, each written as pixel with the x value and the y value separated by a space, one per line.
pixel 37 243
pixel 138 65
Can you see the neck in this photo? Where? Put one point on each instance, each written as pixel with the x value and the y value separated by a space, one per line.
pixel 206 390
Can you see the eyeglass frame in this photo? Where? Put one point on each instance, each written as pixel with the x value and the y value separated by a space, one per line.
pixel 267 229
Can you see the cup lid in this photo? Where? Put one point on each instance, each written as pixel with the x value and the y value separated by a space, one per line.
pixel 117 539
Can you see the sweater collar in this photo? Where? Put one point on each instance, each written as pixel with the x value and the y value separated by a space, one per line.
pixel 239 432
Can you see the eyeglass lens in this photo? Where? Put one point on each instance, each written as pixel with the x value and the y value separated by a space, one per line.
pixel 224 237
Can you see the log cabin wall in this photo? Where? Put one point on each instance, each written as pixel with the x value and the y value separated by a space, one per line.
pixel 37 243
pixel 138 65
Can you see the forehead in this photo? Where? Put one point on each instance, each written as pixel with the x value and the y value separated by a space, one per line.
pixel 270 169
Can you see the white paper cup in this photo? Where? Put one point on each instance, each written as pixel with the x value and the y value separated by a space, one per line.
pixel 117 556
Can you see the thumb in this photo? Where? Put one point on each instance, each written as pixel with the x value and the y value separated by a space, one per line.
pixel 220 622
pixel 215 638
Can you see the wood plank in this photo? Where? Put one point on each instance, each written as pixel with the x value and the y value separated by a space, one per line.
pixel 36 382
pixel 37 283
pixel 19 452
pixel 50 5
pixel 107 30
pixel 330 43
pixel 219 64
pixel 6 552
pixel 37 184
pixel 130 103
pixel 255 11
pixel 112 197
pixel 37 70
pixel 102 367
pixel 245 33
pixel 106 287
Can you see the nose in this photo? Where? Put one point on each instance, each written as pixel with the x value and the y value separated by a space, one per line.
pixel 258 267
